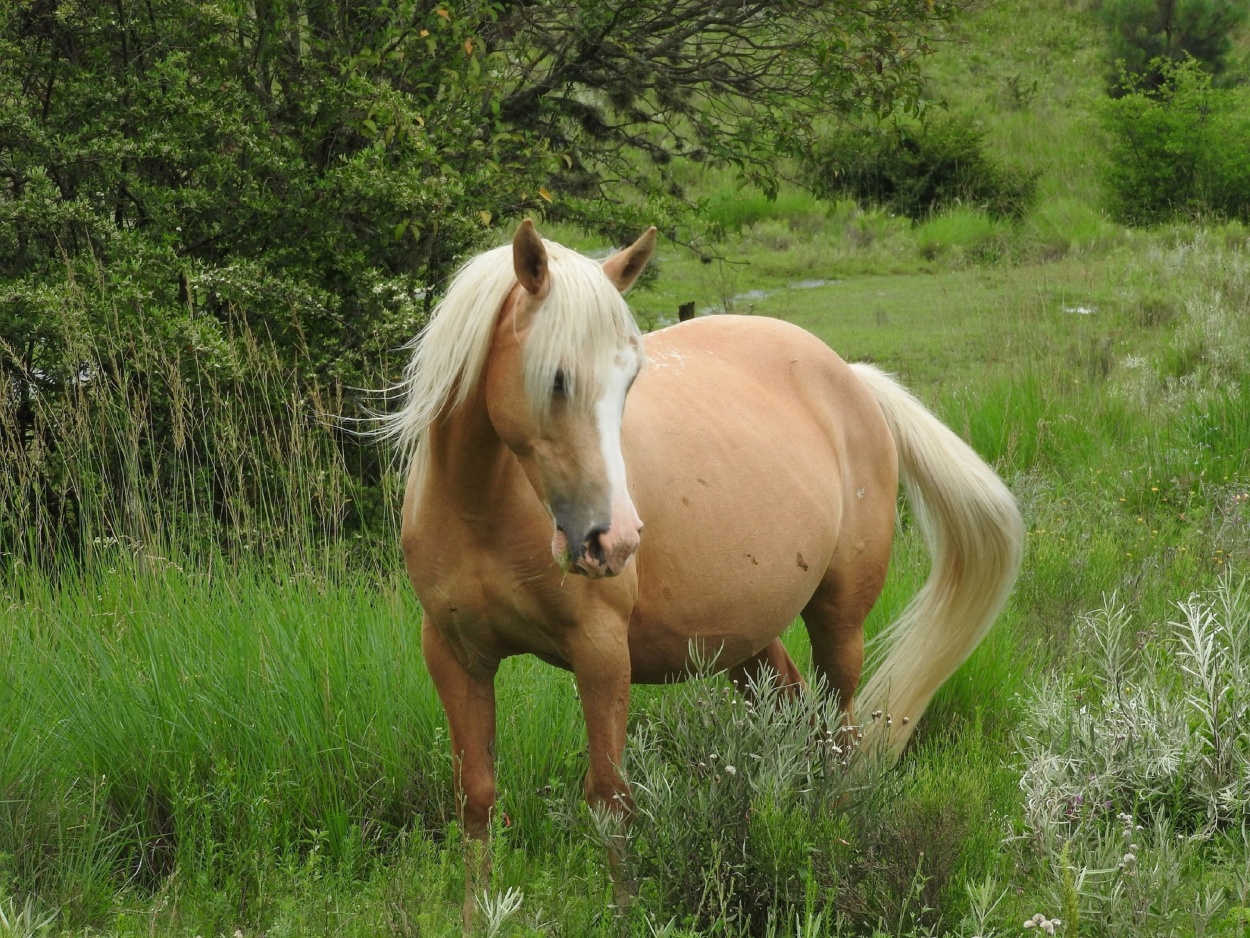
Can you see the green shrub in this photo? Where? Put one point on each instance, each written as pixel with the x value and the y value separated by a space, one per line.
pixel 1179 150
pixel 919 169
pixel 1132 767
pixel 735 796
pixel 1142 34
pixel 962 232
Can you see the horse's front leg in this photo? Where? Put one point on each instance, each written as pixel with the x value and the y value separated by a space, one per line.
pixel 600 660
pixel 469 701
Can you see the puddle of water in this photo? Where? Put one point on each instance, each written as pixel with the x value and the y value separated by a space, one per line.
pixel 754 296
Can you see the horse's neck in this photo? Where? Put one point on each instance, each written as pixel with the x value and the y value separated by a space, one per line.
pixel 467 461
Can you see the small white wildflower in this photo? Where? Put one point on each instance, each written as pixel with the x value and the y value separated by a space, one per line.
pixel 730 770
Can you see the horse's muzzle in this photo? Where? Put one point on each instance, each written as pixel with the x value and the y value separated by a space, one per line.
pixel 604 552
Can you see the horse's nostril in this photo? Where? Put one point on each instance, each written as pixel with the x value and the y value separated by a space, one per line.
pixel 594 542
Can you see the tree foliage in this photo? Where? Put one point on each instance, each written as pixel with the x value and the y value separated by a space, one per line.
pixel 199 176
pixel 721 80
pixel 306 167
pixel 1144 33
pixel 1179 150
pixel 316 165
pixel 919 169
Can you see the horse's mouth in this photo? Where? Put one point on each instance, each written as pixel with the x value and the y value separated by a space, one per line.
pixel 592 569
pixel 588 563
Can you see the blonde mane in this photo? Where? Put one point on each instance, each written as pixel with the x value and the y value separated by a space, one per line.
pixel 579 328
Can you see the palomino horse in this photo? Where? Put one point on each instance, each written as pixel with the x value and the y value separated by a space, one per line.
pixel 543 430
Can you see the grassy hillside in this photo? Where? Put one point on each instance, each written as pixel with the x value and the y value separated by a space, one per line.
pixel 215 746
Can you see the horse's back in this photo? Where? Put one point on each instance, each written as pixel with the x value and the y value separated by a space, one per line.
pixel 756 457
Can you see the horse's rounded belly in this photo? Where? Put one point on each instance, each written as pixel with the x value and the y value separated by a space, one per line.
pixel 728 609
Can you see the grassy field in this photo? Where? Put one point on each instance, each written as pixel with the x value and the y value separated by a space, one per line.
pixel 211 745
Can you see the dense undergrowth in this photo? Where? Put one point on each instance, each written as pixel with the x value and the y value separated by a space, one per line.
pixel 204 743
pixel 217 721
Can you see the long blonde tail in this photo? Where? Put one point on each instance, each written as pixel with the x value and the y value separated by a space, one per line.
pixel 975 536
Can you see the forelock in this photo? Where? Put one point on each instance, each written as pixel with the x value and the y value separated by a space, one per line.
pixel 581 327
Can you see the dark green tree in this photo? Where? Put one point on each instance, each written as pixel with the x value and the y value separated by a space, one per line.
pixel 315 167
pixel 1142 33
pixel 197 177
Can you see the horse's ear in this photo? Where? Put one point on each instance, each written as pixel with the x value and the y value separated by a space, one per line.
pixel 623 267
pixel 529 258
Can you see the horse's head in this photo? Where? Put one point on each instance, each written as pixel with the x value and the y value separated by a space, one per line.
pixel 565 353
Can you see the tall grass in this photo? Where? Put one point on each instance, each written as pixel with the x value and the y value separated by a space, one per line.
pixel 208 723
pixel 217 734
pixel 215 717
pixel 169 452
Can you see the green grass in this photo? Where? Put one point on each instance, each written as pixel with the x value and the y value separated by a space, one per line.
pixel 195 749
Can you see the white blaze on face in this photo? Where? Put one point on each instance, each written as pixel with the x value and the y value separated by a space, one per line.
pixel 621 540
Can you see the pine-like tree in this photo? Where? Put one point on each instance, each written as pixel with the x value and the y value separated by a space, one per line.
pixel 1142 33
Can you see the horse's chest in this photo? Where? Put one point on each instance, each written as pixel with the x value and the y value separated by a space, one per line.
pixel 484 613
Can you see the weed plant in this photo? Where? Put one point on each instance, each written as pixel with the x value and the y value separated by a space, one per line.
pixel 1137 769
pixel 737 800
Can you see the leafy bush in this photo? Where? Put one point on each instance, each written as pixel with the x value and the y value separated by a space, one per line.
pixel 1142 34
pixel 919 169
pixel 733 795
pixel 212 163
pixel 753 818
pixel 1179 150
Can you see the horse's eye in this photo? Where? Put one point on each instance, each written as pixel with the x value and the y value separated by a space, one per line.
pixel 560 387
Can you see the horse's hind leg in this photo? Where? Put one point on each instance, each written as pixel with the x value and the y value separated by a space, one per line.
pixel 835 621
pixel 773 663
